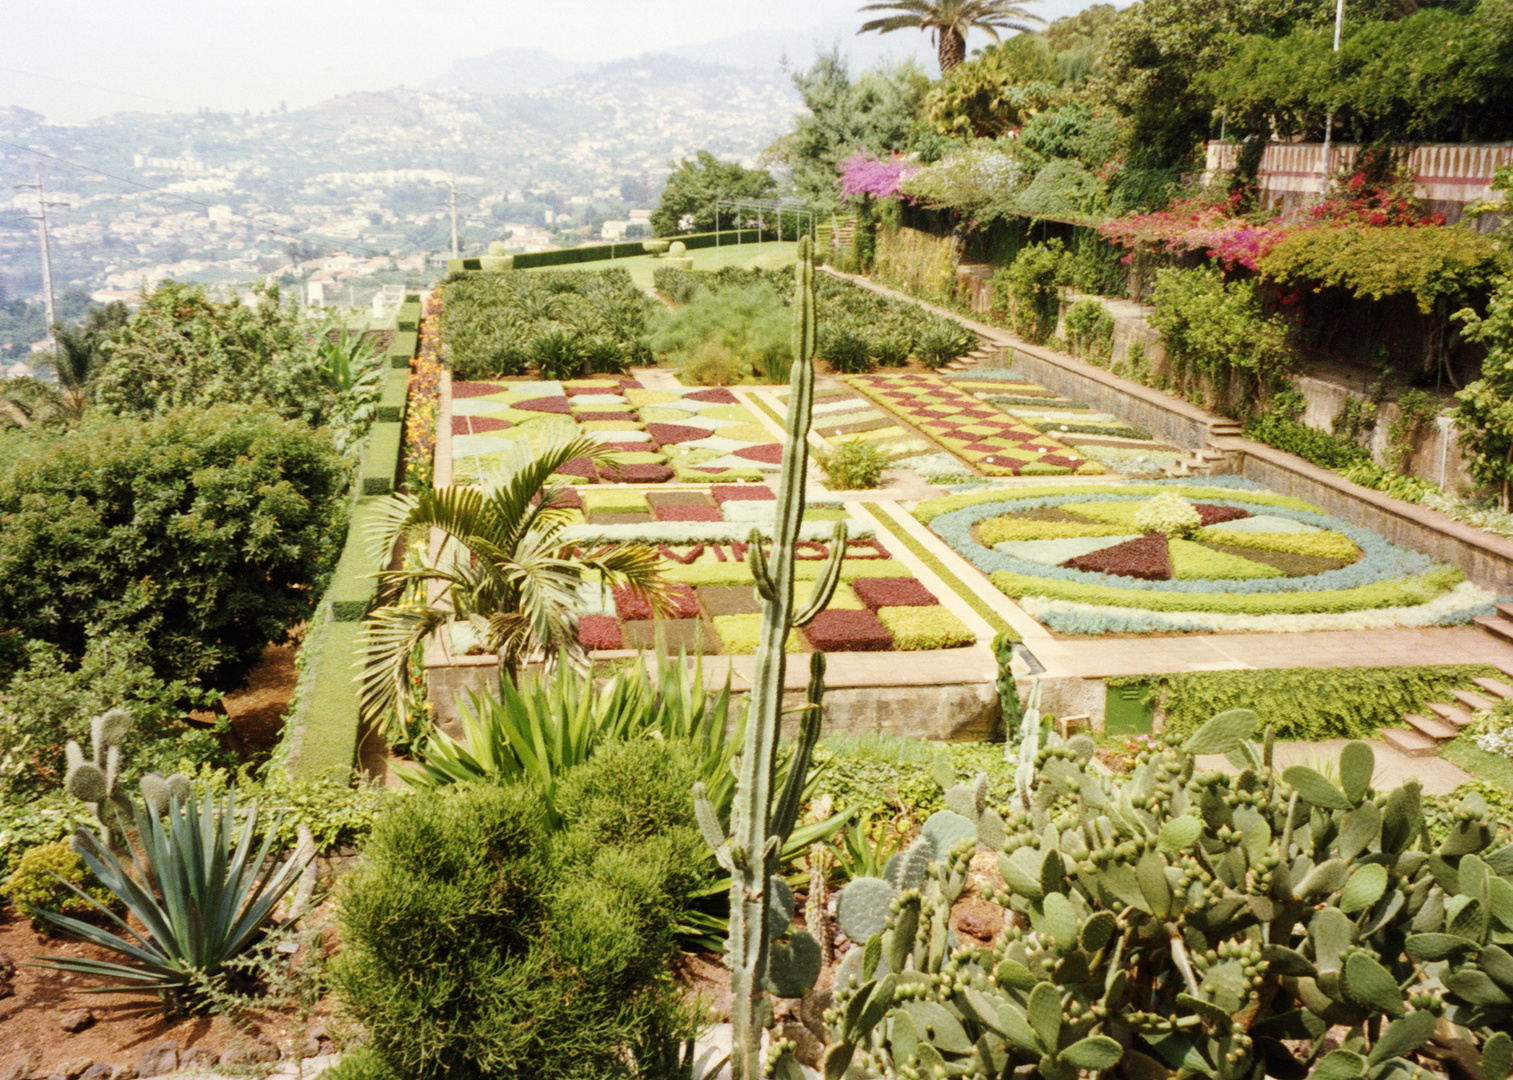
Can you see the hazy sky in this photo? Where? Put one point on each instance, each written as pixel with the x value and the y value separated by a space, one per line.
pixel 79 59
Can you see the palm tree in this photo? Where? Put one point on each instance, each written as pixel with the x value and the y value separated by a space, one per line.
pixel 81 354
pixel 502 565
pixel 948 22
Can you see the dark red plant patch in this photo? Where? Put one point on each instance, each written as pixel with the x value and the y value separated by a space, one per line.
pixel 1145 557
pixel 717 396
pixel 599 632
pixel 579 466
pixel 672 434
pixel 848 631
pixel 567 498
pixel 543 405
pixel 893 592
pixel 476 425
pixel 636 474
pixel 632 605
pixel 572 389
pixel 632 447
pixel 687 513
pixel 1212 515
pixel 770 453
pixel 724 493
pixel 476 389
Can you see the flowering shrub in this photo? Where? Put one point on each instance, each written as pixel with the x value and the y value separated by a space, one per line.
pixel 425 400
pixel 1169 514
pixel 862 174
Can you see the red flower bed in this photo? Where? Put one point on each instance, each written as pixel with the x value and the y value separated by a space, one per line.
pixel 475 425
pixel 476 389
pixel 848 631
pixel 567 498
pixel 636 474
pixel 1212 515
pixel 686 513
pixel 582 467
pixel 770 453
pixel 672 434
pixel 718 396
pixel 1145 557
pixel 599 632
pixel 543 405
pixel 631 605
pixel 724 493
pixel 893 592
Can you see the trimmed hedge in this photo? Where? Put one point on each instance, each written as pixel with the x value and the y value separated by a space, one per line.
pixel 601 252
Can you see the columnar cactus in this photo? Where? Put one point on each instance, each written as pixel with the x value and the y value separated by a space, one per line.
pixel 1184 922
pixel 97 781
pixel 757 828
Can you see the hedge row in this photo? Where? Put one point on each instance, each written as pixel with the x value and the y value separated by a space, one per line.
pixel 601 252
pixel 323 723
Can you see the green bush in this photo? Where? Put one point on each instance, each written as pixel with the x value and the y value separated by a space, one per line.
pixel 478 945
pixel 856 465
pixel 206 533
pixel 1320 447
pixel 1216 329
pixel 37 819
pixel 944 341
pixel 42 878
pixel 556 353
pixel 892 349
pixel 845 349
pixel 1029 288
pixel 748 322
pixel 1090 330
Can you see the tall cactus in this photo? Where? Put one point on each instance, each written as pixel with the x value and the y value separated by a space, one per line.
pixel 757 829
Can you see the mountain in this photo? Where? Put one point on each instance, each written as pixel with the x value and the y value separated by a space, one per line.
pixel 507 71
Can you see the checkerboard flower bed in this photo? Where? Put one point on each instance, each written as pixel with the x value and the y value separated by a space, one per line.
pixel 994 441
pixel 893 592
pixel 1178 583
pixel 848 631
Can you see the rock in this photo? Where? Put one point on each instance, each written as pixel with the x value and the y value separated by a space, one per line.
pixel 74 1068
pixel 28 1065
pixel 200 1057
pixel 98 1071
pixel 159 1059
pixel 806 1048
pixel 76 1020
pixel 259 1050
pixel 7 975
pixel 978 924
pixel 812 1010
pixel 316 1047
pixel 124 1072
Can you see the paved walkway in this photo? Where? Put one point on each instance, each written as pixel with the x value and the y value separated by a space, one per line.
pixel 1438 776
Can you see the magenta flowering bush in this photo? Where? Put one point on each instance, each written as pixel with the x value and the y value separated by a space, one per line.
pixel 862 174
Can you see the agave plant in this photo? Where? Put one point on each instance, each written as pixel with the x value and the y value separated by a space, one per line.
pixel 503 566
pixel 201 895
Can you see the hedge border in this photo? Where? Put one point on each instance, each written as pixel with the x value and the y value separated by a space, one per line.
pixel 626 249
pixel 323 727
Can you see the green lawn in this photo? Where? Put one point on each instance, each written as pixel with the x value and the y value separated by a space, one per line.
pixel 1493 768
pixel 769 254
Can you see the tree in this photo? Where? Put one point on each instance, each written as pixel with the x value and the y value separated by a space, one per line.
pixel 206 533
pixel 948 22
pixel 82 352
pixel 997 90
pixel 873 113
pixel 503 565
pixel 694 186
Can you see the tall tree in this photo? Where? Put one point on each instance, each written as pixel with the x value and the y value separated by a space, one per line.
pixel 948 22
pixel 694 186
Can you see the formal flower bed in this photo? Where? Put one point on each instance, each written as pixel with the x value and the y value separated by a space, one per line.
pixel 878 606
pixel 993 441
pixel 1098 559
pixel 691 436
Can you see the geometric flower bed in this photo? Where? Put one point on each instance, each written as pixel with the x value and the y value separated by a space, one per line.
pixel 993 441
pixel 1077 559
pixel 877 606
pixel 695 436
pixel 843 415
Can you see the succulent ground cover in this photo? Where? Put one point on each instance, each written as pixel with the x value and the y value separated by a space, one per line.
pixel 693 436
pixel 1097 559
pixel 841 415
pixel 978 432
pixel 878 605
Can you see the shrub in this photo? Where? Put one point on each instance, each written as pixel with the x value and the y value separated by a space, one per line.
pixel 1216 328
pixel 856 465
pixel 1169 514
pixel 654 247
pixel 747 321
pixel 1090 329
pixel 206 533
pixel 476 944
pixel 846 350
pixel 677 249
pixel 892 349
pixel 1029 289
pixel 42 878
pixel 711 364
pixel 944 341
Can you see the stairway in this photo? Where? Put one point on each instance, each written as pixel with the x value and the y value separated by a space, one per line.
pixel 965 363
pixel 1500 623
pixel 1198 463
pixel 1424 734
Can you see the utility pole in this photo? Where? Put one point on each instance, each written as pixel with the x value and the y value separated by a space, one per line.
pixel 40 217
pixel 452 184
pixel 1339 20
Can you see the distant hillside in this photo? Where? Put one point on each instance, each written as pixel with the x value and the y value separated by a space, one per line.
pixel 507 71
pixel 767 48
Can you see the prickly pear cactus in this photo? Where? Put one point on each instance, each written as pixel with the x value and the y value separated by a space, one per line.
pixel 97 781
pixel 1186 922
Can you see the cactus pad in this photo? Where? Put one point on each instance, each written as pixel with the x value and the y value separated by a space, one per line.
pixel 862 909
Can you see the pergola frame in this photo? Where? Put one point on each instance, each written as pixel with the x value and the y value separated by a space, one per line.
pixel 799 209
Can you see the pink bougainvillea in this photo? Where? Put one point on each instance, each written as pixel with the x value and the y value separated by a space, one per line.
pixel 862 174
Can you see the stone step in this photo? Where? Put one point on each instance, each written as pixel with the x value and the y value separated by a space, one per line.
pixel 1495 687
pixel 1451 714
pixel 1504 611
pixel 1508 671
pixel 1409 743
pixel 1431 726
pixel 1470 700
pixel 1500 627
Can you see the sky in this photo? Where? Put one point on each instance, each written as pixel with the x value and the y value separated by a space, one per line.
pixel 75 60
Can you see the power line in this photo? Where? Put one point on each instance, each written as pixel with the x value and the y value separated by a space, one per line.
pixel 273 229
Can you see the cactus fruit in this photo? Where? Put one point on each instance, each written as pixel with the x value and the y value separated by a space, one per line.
pixel 761 820
pixel 1179 921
